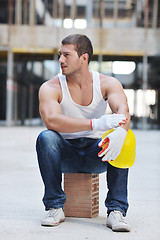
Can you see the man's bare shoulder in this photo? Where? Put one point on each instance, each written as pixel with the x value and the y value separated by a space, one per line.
pixel 108 80
pixel 109 85
pixel 51 88
pixel 51 84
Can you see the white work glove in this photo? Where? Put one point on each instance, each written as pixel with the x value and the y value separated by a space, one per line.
pixel 114 144
pixel 107 122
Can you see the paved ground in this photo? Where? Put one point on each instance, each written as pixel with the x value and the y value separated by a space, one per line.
pixel 21 191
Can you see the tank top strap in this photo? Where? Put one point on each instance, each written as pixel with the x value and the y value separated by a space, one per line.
pixel 64 87
pixel 96 85
pixel 62 79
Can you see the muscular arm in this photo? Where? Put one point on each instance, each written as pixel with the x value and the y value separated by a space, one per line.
pixel 117 99
pixel 51 113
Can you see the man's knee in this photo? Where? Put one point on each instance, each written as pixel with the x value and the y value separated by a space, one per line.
pixel 48 137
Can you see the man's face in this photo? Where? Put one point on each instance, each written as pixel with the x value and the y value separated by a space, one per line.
pixel 69 59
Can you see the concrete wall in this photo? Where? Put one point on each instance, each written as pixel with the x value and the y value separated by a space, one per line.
pixel 115 41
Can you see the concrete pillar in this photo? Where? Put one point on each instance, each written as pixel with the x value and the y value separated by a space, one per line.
pixel 135 110
pixel 18 14
pixel 15 95
pixel 61 11
pixel 115 13
pixel 144 88
pixel 155 14
pixel 23 104
pixel 32 12
pixel 25 10
pixel 102 11
pixel 146 14
pixel 138 11
pixel 10 11
pixel 54 10
pixel 100 59
pixel 89 13
pixel 158 106
pixel 73 11
pixel 31 89
pixel 10 90
pixel 96 7
pixel 55 58
pixel 145 72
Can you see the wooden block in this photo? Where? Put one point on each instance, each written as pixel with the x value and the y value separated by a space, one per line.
pixel 82 195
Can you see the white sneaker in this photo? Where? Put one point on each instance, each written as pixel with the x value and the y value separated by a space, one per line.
pixel 54 217
pixel 116 222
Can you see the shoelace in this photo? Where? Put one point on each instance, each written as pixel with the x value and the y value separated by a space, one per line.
pixel 52 212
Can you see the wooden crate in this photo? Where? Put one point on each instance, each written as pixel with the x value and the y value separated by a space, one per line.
pixel 82 195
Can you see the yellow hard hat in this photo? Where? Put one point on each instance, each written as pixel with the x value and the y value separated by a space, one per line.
pixel 127 155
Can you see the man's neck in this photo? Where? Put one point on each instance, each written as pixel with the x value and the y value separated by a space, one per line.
pixel 80 78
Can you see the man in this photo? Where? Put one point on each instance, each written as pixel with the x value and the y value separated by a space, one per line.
pixel 73 106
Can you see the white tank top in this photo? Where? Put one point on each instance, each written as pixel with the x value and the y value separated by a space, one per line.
pixel 95 109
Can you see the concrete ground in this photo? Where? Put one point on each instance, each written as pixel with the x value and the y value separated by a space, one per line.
pixel 21 189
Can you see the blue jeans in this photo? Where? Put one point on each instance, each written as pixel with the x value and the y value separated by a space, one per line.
pixel 57 155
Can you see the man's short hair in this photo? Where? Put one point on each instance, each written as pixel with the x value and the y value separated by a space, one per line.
pixel 81 43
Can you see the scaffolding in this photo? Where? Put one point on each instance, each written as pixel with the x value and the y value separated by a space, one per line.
pixel 36 19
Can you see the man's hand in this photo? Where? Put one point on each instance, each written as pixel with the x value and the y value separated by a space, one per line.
pixel 107 122
pixel 114 142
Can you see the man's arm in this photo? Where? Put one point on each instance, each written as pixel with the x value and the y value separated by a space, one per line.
pixel 118 103
pixel 51 113
pixel 117 100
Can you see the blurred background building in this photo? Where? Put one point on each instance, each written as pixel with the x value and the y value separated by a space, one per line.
pixel 126 39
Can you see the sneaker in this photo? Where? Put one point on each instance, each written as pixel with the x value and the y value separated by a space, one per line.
pixel 54 217
pixel 116 222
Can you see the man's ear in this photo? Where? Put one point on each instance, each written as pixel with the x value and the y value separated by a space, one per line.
pixel 85 57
